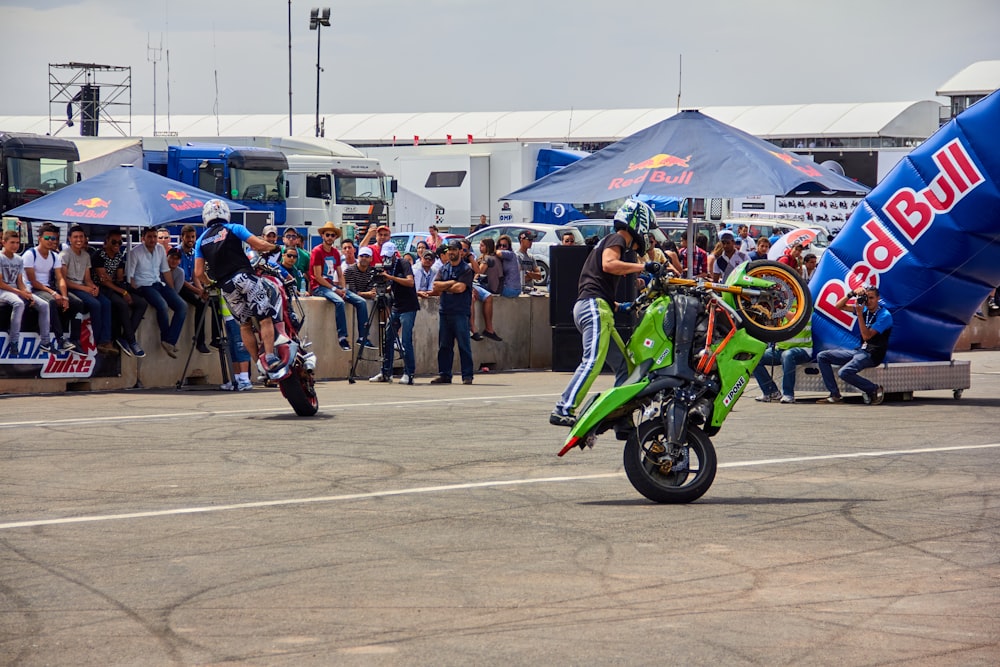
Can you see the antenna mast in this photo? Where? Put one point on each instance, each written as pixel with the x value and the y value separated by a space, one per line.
pixel 680 72
pixel 153 56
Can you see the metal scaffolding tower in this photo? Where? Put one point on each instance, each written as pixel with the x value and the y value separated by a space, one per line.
pixel 87 94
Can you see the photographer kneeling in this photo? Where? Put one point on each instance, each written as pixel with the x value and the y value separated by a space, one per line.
pixel 403 297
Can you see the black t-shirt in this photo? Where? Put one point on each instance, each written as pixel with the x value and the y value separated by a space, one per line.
pixel 404 298
pixel 595 282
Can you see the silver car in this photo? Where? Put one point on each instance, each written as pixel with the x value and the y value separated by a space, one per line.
pixel 546 236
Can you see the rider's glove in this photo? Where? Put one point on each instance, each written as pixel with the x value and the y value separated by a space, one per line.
pixel 652 267
pixel 625 307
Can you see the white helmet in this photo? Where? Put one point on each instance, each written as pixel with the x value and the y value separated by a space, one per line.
pixel 213 210
pixel 638 218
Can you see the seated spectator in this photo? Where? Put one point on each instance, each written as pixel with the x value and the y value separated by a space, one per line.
pixel 45 280
pixel 326 279
pixel 163 238
pixel 176 272
pixel 15 293
pixel 511 268
pixel 289 268
pixel 147 272
pixel 789 354
pixel 360 280
pixel 84 295
pixel 529 267
pixel 127 308
pixel 480 290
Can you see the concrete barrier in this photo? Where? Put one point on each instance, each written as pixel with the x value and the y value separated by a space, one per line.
pixel 522 322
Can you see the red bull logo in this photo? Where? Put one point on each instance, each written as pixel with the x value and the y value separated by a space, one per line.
pixel 182 201
pixel 89 208
pixel 659 161
pixel 652 170
pixel 805 167
pixel 93 202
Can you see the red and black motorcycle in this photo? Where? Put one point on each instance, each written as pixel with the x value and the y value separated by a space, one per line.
pixel 295 378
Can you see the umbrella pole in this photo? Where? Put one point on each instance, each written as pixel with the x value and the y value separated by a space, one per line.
pixel 690 235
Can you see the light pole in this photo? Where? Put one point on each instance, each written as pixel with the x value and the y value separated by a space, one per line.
pixel 289 67
pixel 317 21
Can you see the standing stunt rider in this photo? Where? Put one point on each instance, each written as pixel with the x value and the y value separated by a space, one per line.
pixel 593 314
pixel 221 247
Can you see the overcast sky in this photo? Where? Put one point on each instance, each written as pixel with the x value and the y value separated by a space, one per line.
pixel 479 55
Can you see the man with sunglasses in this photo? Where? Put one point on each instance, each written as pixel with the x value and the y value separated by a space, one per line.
pixel 127 307
pixel 41 267
pixel 326 279
pixel 289 268
pixel 293 240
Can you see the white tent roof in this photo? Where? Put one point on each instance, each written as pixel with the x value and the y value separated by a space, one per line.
pixel 873 119
pixel 976 79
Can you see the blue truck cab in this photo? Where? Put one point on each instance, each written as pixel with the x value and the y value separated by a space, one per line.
pixel 254 177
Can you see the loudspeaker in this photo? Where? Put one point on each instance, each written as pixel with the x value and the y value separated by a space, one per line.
pixel 567 347
pixel 565 266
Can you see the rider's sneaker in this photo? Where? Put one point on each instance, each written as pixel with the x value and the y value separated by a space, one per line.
pixel 273 362
pixel 559 419
pixel 282 339
pixel 787 399
pixel 244 385
pixel 768 398
pixel 380 378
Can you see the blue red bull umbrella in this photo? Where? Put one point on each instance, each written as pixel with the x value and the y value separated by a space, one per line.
pixel 687 155
pixel 121 197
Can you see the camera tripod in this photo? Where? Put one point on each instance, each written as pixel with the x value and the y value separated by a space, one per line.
pixel 377 327
pixel 214 306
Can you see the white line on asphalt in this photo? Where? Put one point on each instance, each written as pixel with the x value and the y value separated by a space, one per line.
pixel 453 487
pixel 75 421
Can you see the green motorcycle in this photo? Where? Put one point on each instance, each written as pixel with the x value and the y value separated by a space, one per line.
pixel 689 359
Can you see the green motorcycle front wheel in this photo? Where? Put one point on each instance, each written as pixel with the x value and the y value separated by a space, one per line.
pixel 664 479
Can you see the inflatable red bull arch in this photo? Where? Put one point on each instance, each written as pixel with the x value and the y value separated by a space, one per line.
pixel 928 236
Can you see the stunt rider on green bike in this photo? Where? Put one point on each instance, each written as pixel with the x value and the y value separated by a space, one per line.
pixel 593 312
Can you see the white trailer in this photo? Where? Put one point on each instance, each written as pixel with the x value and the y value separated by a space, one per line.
pixel 465 180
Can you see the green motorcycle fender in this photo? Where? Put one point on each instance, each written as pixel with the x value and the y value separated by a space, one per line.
pixel 735 363
pixel 597 410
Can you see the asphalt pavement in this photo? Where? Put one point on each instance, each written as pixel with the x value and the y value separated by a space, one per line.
pixel 434 525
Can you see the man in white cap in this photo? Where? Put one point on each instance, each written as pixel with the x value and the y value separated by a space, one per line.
pixel 360 280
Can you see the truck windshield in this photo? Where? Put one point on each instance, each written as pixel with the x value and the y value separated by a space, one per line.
pixel 38 176
pixel 358 190
pixel 258 184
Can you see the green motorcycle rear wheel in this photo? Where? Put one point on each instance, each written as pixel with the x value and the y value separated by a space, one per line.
pixel 781 312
